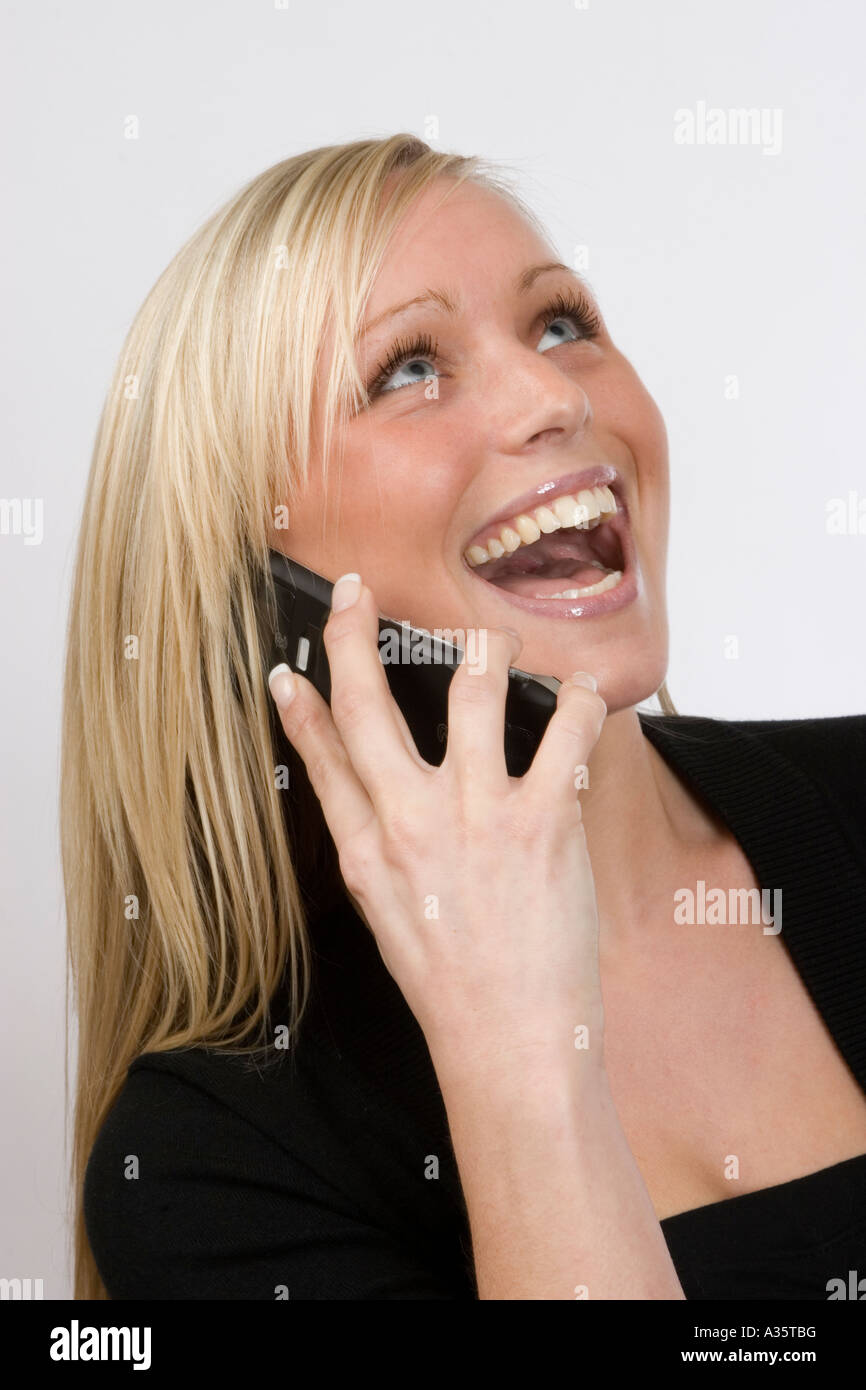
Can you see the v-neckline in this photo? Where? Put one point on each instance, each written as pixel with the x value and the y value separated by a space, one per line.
pixel 770 807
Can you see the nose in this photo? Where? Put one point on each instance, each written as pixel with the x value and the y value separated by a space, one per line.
pixel 539 404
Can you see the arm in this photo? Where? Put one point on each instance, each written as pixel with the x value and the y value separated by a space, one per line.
pixel 557 1207
pixel 478 890
pixel 217 1209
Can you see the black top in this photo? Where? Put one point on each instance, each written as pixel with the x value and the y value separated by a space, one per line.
pixel 327 1172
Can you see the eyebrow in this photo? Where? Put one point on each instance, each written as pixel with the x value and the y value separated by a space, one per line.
pixel 524 282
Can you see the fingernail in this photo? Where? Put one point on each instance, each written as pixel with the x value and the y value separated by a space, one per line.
pixel 346 590
pixel 513 631
pixel 283 685
pixel 583 678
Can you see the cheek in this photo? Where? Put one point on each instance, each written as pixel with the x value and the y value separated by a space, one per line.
pixel 653 474
pixel 637 421
pixel 400 495
pixel 652 446
pixel 634 415
pixel 384 513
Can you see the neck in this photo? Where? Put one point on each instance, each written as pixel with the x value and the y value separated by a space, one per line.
pixel 640 821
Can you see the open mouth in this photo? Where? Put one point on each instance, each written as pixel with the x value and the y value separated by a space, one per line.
pixel 572 547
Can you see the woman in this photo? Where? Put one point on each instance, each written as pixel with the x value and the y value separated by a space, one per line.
pixel 376 1029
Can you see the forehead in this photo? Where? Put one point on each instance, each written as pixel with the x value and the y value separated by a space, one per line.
pixel 472 234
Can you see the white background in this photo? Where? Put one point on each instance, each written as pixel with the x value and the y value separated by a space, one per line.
pixel 709 261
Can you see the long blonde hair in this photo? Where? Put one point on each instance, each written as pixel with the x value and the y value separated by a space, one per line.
pixel 182 869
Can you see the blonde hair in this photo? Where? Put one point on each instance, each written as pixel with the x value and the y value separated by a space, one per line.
pixel 666 703
pixel 182 865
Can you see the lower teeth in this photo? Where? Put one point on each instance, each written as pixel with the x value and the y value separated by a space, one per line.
pixel 609 582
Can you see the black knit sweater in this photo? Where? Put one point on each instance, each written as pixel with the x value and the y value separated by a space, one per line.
pixel 328 1173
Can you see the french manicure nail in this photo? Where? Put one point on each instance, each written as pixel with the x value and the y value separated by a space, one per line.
pixel 345 592
pixel 282 684
pixel 583 678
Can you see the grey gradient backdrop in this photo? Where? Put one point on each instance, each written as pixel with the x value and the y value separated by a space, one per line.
pixel 711 262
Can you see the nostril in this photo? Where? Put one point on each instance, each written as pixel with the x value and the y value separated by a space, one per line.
pixel 546 436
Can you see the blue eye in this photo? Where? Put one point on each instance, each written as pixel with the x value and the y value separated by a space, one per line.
pixel 415 357
pixel 418 356
pixel 557 333
pixel 582 314
pixel 418 368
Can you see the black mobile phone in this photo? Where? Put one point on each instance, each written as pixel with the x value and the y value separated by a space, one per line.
pixel 418 664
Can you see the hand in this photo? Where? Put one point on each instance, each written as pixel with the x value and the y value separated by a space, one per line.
pixel 477 886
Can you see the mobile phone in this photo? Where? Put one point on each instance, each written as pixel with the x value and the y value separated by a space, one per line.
pixel 419 666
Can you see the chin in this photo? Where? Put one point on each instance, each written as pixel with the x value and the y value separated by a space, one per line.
pixel 623 685
pixel 626 649
pixel 628 672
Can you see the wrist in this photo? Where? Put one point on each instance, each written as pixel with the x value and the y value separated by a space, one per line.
pixel 532 1121
pixel 535 1077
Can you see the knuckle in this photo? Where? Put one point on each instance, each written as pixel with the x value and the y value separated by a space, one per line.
pixel 403 832
pixel 347 621
pixel 527 822
pixel 487 823
pixel 340 626
pixel 575 725
pixel 303 719
pixel 357 859
pixel 473 686
pixel 350 706
pixel 504 644
pixel 582 713
pixel 322 768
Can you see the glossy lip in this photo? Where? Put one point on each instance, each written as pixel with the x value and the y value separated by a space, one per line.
pixel 596 605
pixel 601 475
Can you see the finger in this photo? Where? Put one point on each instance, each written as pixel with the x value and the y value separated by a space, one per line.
pixel 560 765
pixel 405 732
pixel 364 711
pixel 476 710
pixel 308 726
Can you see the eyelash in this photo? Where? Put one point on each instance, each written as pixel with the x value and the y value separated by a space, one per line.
pixel 565 305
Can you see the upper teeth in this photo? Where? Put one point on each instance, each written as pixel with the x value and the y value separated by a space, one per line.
pixel 584 510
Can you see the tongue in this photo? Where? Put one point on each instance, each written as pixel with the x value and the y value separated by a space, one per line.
pixel 541 586
pixel 563 560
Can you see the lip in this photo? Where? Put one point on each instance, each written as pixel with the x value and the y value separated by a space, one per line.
pixel 600 475
pixel 596 605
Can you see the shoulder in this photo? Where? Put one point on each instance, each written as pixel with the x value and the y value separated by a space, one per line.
pixel 170 1096
pixel 819 761
pixel 224 1176
pixel 176 1144
pixel 840 735
pixel 828 742
pixel 188 1118
pixel 831 752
